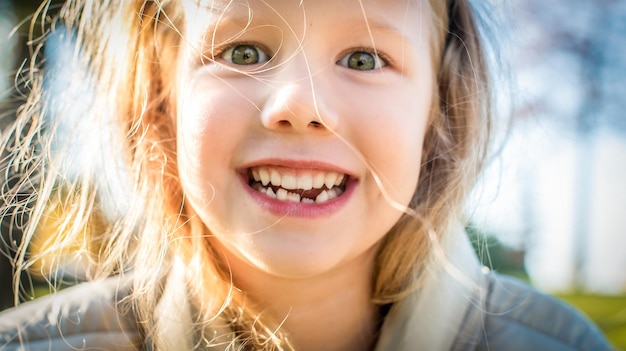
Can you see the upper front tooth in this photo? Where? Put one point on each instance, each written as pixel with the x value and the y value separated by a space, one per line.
pixel 318 180
pixel 330 179
pixel 264 174
pixel 288 182
pixel 275 178
pixel 305 182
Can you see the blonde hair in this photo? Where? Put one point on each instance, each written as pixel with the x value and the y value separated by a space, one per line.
pixel 129 50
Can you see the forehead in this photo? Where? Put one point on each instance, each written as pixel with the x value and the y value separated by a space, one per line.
pixel 401 15
pixel 277 5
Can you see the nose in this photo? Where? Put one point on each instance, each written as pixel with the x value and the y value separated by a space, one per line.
pixel 299 106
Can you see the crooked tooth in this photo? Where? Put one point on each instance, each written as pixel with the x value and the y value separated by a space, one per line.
pixel 305 182
pixel 322 197
pixel 339 179
pixel 275 178
pixel 318 180
pixel 330 179
pixel 270 193
pixel 289 182
pixel 284 195
pixel 264 175
pixel 293 197
pixel 281 194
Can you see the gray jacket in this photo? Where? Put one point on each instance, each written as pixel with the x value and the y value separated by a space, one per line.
pixel 461 307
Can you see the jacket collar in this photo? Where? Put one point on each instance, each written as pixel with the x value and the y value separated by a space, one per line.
pixel 432 317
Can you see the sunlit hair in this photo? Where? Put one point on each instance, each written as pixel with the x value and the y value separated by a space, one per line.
pixel 128 52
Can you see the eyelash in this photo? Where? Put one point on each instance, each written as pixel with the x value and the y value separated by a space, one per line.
pixel 380 57
pixel 221 50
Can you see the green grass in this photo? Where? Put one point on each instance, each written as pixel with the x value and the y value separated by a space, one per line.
pixel 608 312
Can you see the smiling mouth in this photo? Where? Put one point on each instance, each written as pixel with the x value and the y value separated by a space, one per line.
pixel 298 186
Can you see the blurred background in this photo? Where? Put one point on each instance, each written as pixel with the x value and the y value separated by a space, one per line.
pixel 551 207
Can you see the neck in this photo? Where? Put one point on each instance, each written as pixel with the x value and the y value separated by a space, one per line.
pixel 328 312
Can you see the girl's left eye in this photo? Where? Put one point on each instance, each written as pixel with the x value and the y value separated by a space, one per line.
pixel 245 54
pixel 362 61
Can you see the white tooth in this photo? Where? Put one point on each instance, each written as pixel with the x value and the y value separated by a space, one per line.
pixel 339 179
pixel 330 179
pixel 322 197
pixel 264 175
pixel 275 178
pixel 281 194
pixel 289 182
pixel 255 174
pixel 306 200
pixel 263 190
pixel 270 193
pixel 318 180
pixel 305 182
pixel 293 197
pixel 331 194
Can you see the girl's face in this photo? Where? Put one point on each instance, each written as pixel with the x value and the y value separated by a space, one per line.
pixel 300 126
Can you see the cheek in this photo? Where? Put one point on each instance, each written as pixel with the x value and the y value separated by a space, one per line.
pixel 194 145
pixel 197 138
pixel 210 119
pixel 392 137
pixel 201 114
pixel 208 126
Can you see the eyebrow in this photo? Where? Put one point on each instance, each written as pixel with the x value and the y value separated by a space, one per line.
pixel 232 25
pixel 375 25
pixel 378 27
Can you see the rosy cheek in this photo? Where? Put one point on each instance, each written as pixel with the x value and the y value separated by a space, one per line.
pixel 202 115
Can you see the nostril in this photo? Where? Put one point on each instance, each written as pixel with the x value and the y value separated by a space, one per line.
pixel 284 123
pixel 315 124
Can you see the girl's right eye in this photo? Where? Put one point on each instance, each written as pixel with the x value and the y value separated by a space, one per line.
pixel 245 54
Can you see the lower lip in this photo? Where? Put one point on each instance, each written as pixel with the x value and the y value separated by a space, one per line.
pixel 297 209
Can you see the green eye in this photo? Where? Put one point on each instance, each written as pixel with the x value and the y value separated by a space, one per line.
pixel 245 54
pixel 362 61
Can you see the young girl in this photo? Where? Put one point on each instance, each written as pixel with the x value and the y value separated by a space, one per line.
pixel 277 175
